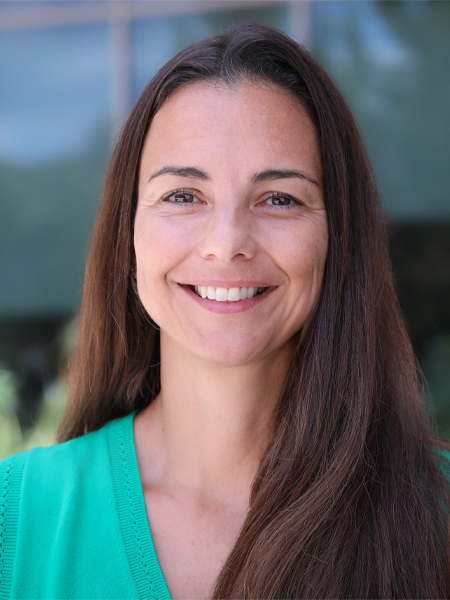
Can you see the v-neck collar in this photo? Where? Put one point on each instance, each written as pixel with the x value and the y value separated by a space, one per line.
pixel 132 511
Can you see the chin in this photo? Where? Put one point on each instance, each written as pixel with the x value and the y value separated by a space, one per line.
pixel 231 352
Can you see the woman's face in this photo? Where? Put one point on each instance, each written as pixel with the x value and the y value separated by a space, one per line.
pixel 230 199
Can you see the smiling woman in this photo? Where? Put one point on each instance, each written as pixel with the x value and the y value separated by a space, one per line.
pixel 239 210
pixel 244 417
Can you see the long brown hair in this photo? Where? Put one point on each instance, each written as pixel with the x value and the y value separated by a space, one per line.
pixel 350 500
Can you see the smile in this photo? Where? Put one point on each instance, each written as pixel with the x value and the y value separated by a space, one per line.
pixel 227 294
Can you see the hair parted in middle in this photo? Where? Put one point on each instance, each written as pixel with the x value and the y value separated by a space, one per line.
pixel 328 511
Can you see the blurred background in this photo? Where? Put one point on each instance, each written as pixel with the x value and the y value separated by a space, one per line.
pixel 69 73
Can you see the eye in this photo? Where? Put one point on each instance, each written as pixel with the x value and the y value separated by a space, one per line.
pixel 181 197
pixel 282 200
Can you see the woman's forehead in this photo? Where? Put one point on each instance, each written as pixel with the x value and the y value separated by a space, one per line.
pixel 216 124
pixel 212 102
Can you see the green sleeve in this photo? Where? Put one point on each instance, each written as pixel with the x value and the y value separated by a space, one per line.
pixel 11 471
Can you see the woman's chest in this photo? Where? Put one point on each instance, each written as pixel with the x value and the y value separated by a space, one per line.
pixel 192 542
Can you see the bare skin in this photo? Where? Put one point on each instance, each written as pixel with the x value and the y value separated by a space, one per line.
pixel 199 444
pixel 203 460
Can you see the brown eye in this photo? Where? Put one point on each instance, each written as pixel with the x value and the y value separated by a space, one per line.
pixel 281 200
pixel 182 197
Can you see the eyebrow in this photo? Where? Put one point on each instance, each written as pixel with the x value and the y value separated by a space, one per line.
pixel 272 174
pixel 268 175
pixel 181 172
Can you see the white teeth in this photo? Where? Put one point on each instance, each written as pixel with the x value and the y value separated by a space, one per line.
pixel 227 294
pixel 221 294
pixel 234 294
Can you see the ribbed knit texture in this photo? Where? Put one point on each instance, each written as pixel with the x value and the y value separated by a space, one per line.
pixel 132 512
pixel 11 479
pixel 73 522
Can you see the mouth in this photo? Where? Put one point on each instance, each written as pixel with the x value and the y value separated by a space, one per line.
pixel 220 294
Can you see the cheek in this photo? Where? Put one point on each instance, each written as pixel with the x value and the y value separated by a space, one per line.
pixel 160 246
pixel 317 250
pixel 304 265
pixel 154 244
pixel 149 248
pixel 304 254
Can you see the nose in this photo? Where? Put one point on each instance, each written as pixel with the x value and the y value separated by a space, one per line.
pixel 228 234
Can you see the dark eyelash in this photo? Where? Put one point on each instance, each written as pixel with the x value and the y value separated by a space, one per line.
pixel 281 195
pixel 179 191
pixel 188 191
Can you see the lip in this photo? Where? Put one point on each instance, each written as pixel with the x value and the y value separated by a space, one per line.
pixel 226 308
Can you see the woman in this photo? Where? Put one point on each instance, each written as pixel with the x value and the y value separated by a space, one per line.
pixel 239 301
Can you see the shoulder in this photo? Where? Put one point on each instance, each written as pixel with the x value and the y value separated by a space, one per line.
pixel 72 468
pixel 57 481
pixel 40 486
pixel 58 515
pixel 47 469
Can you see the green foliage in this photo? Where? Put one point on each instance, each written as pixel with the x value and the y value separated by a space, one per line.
pixel 10 434
pixel 12 439
pixel 436 368
pixel 390 59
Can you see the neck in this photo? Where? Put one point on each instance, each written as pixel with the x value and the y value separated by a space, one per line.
pixel 210 425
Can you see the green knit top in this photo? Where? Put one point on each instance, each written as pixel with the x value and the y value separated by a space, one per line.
pixel 82 531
